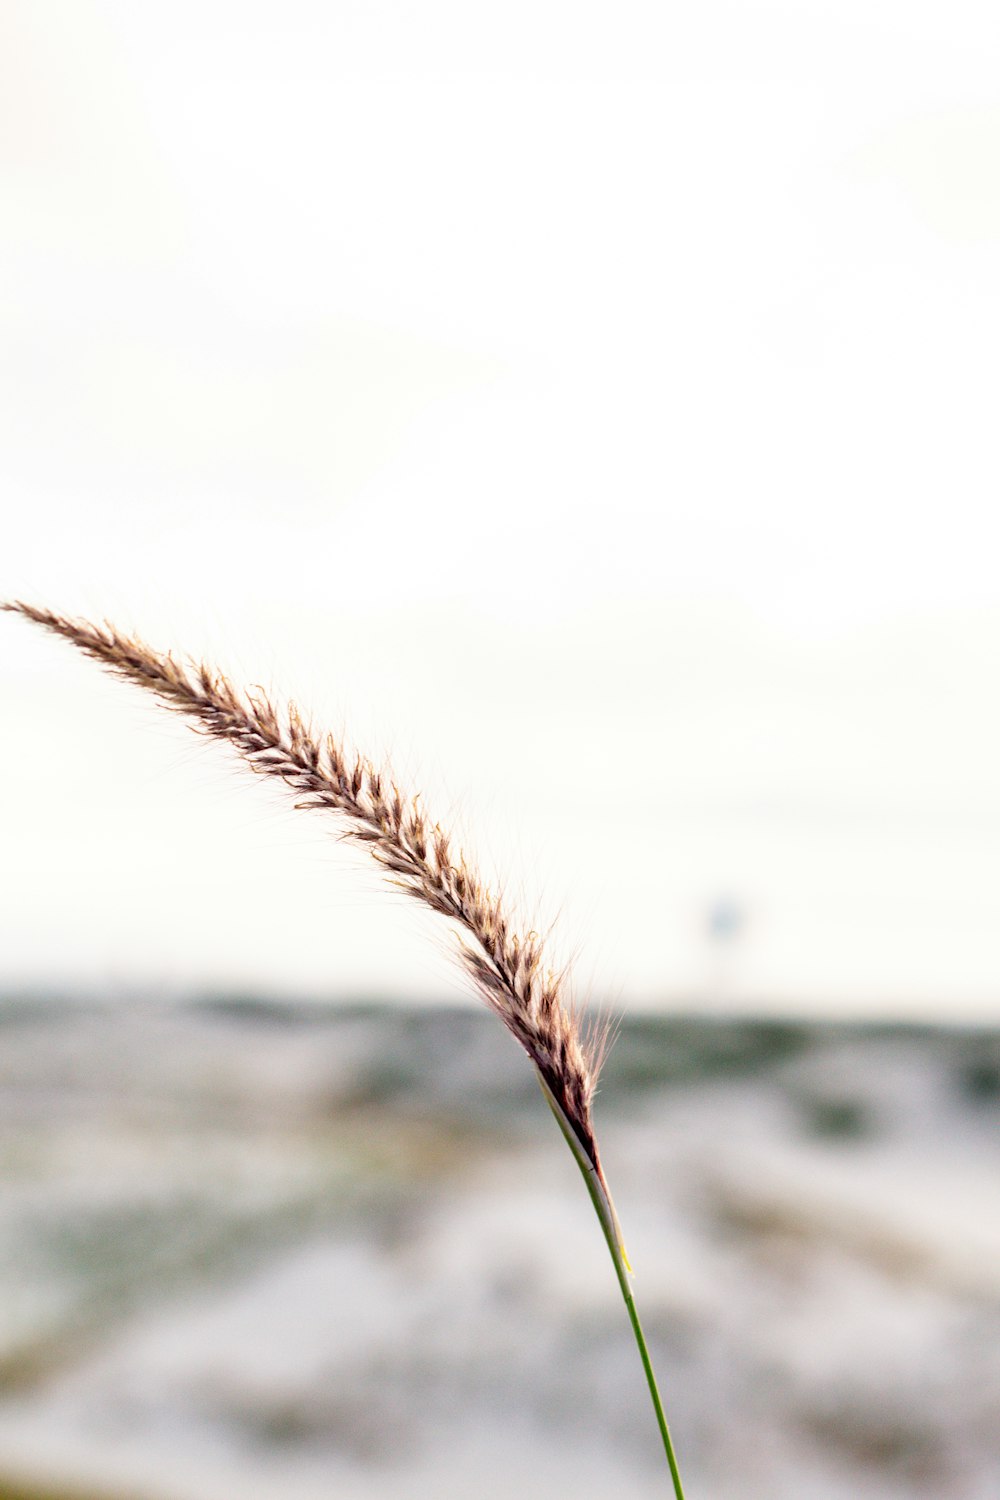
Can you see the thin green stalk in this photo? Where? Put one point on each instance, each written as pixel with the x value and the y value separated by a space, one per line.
pixel 654 1391
pixel 608 1219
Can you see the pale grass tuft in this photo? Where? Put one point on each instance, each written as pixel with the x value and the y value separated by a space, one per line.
pixel 507 966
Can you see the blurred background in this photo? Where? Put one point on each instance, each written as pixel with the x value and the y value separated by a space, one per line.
pixel 592 409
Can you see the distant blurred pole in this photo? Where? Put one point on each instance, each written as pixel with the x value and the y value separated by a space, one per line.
pixel 725 924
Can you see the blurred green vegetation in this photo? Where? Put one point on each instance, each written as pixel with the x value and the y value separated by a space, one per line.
pixel 653 1050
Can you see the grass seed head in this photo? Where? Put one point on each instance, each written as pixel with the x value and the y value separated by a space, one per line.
pixel 506 967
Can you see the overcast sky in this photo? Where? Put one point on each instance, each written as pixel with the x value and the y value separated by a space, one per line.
pixel 593 407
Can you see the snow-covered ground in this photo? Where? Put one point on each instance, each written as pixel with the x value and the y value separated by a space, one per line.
pixel 283 1253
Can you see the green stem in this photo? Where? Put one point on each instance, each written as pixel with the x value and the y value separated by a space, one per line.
pixel 654 1391
pixel 605 1210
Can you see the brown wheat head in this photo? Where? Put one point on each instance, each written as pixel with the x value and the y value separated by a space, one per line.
pixel 507 967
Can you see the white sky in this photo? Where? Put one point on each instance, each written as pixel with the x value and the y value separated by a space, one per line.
pixel 592 406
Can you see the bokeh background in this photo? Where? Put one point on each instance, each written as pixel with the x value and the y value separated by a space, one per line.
pixel 593 409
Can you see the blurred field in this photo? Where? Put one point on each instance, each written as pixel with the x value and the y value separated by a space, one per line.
pixel 253 1249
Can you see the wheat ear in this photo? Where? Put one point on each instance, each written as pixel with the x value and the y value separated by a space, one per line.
pixel 506 966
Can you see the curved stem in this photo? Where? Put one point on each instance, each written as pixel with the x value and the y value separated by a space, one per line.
pixel 654 1392
pixel 605 1210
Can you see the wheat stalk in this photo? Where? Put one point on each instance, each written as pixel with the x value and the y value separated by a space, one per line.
pixel 506 966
